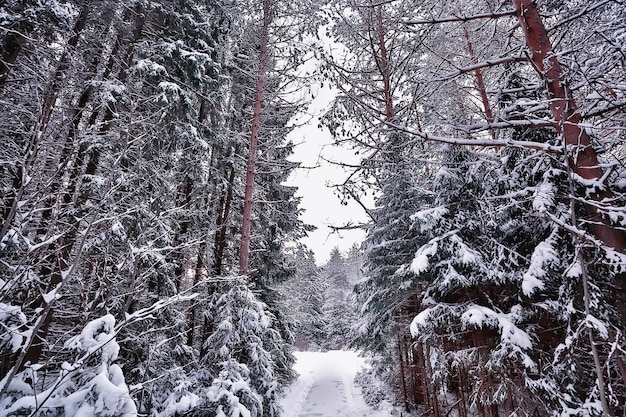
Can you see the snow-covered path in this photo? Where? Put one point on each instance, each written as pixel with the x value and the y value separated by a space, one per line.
pixel 325 387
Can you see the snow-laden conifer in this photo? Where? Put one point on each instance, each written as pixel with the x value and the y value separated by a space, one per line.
pixel 239 353
pixel 88 383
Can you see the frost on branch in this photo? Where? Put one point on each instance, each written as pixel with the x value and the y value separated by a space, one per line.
pixel 92 385
pixel 11 318
pixel 543 255
pixel 232 394
pixel 240 353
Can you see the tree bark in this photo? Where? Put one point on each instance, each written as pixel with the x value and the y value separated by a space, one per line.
pixel 382 61
pixel 52 92
pixel 480 84
pixel 403 364
pixel 49 102
pixel 61 251
pixel 220 242
pixel 12 45
pixel 192 314
pixel 582 157
pixel 246 227
pixel 431 387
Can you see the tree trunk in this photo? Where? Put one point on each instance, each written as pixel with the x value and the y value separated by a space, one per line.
pixel 52 92
pixel 382 61
pixel 480 84
pixel 431 386
pixel 197 277
pixel 462 392
pixel 582 157
pixel 63 248
pixel 246 227
pixel 219 245
pixel 181 258
pixel 12 44
pixel 49 102
pixel 403 363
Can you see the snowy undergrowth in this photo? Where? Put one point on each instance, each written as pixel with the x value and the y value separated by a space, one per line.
pixel 93 385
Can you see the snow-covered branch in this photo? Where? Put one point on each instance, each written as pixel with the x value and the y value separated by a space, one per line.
pixel 479 142
pixel 506 124
pixel 460 18
pixel 484 64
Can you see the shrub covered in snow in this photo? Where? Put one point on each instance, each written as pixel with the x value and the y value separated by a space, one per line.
pixel 91 385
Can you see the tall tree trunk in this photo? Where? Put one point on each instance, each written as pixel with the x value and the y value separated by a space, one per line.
pixel 431 386
pixel 246 227
pixel 200 269
pixel 60 252
pixel 480 84
pixel 219 244
pixel 416 367
pixel 403 364
pixel 63 248
pixel 382 62
pixel 47 107
pixel 582 157
pixel 462 392
pixel 12 45
pixel 52 92
pixel 180 255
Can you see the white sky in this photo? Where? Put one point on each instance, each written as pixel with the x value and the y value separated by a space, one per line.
pixel 323 207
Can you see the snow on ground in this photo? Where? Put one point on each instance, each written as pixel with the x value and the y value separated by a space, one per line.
pixel 325 387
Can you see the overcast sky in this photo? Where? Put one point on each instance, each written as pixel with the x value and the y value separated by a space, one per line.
pixel 323 207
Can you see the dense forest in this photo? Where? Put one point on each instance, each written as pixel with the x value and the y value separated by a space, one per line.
pixel 150 255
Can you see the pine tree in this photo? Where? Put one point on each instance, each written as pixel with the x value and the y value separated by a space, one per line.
pixel 242 349
pixel 304 296
pixel 338 307
pixel 123 192
pixel 495 280
pixel 508 225
pixel 90 384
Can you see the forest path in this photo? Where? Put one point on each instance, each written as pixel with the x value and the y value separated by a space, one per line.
pixel 325 387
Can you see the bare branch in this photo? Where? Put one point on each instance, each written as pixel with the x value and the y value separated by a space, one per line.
pixel 598 111
pixel 578 15
pixel 360 203
pixel 485 64
pixel 379 3
pixel 347 226
pixel 459 18
pixel 507 124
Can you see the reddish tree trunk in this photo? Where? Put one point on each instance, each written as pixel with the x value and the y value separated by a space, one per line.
pixel 246 227
pixel 383 66
pixel 582 157
pixel 480 84
pixel 430 386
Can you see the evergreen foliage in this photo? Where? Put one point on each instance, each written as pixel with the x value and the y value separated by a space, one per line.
pixel 492 281
pixel 487 250
pixel 121 192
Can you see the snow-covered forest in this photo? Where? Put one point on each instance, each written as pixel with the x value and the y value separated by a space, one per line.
pixel 150 254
